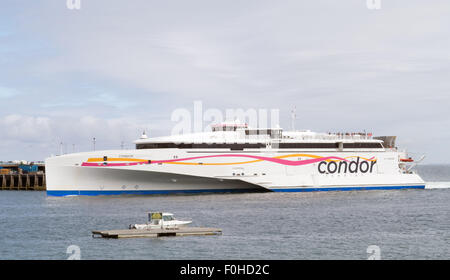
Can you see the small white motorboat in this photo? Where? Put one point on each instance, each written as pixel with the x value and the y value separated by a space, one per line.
pixel 160 220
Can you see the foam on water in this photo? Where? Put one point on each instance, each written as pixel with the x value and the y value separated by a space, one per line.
pixel 437 185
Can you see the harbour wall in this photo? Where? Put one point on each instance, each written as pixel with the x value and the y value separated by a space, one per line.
pixel 19 176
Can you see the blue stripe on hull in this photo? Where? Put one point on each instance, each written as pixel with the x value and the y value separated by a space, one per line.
pixel 362 188
pixel 149 192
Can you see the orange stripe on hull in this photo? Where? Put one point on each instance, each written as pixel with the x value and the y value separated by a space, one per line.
pixel 221 163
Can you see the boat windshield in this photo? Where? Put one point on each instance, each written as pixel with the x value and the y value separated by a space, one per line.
pixel 168 218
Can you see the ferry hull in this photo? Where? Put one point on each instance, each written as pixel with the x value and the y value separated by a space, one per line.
pixel 217 190
pixel 90 174
pixel 92 181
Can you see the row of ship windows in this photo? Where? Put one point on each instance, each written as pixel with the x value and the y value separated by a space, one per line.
pixel 258 145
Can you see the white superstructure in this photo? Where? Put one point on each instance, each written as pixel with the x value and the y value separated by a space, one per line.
pixel 234 157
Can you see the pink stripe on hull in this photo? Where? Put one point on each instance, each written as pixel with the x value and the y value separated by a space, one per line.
pixel 275 160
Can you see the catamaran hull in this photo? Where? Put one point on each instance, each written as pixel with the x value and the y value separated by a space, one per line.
pixel 89 174
pixel 91 181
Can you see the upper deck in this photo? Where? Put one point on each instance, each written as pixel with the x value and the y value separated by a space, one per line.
pixel 240 137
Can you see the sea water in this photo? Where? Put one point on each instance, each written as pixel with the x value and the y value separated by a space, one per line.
pixel 399 224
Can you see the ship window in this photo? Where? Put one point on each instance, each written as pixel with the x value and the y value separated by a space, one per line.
pixel 232 146
pixel 329 145
pixel 273 133
pixel 241 146
pixel 224 128
pixel 308 145
pixel 362 146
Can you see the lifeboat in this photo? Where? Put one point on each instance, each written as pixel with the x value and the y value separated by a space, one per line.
pixel 406 160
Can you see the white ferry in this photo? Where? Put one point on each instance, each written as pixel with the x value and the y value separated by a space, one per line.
pixel 236 158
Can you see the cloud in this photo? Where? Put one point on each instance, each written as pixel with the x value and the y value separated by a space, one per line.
pixel 344 66
pixel 38 137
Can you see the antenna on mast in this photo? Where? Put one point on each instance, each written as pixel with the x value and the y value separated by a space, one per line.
pixel 293 117
pixel 144 135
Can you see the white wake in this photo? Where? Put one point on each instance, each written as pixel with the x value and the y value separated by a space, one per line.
pixel 437 185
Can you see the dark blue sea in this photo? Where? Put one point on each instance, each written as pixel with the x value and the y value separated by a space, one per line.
pixel 401 224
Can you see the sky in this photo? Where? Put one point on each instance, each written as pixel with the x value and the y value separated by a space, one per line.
pixel 112 69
